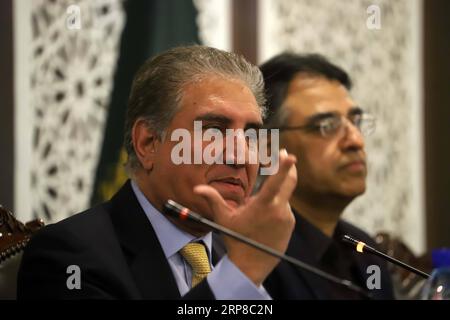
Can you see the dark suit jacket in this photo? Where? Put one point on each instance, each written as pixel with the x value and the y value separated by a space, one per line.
pixel 289 282
pixel 116 249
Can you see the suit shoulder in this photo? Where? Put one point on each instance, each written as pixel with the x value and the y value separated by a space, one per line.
pixel 84 240
pixel 89 232
pixel 80 225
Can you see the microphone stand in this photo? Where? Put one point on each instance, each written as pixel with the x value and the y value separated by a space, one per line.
pixel 363 247
pixel 177 211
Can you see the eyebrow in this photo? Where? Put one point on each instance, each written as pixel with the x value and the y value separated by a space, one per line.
pixel 325 115
pixel 320 116
pixel 225 121
pixel 354 111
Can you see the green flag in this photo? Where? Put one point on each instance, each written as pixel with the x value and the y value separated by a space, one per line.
pixel 152 26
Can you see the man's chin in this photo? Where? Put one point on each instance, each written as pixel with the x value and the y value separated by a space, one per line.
pixel 355 191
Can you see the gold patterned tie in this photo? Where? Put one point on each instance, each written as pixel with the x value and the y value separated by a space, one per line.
pixel 195 254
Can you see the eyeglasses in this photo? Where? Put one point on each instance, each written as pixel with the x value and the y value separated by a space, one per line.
pixel 332 124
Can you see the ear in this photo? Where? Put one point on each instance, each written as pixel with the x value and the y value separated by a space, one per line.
pixel 145 143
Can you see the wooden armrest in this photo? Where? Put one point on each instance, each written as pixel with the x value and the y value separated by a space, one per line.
pixel 14 235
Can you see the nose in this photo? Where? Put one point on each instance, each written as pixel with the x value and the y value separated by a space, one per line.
pixel 237 151
pixel 353 138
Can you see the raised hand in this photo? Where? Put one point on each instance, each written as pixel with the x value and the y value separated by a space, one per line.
pixel 266 217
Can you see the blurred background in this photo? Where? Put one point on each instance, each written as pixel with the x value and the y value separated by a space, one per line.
pixel 67 67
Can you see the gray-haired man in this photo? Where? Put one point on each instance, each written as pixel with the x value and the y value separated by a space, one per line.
pixel 126 248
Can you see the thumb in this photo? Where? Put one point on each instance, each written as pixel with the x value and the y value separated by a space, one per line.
pixel 216 203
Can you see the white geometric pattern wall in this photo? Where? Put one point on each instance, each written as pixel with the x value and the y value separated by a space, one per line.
pixel 385 67
pixel 71 80
pixel 214 23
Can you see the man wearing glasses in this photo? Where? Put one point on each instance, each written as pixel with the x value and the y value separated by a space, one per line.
pixel 309 102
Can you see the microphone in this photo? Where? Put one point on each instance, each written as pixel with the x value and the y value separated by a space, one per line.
pixel 177 211
pixel 363 247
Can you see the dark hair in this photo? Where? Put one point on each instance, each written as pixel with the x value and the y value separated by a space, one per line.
pixel 158 86
pixel 281 69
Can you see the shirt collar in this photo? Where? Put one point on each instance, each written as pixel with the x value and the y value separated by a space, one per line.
pixel 171 238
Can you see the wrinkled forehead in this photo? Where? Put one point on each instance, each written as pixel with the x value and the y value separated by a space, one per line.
pixel 221 96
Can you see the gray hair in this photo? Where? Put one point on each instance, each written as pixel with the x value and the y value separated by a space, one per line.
pixel 158 86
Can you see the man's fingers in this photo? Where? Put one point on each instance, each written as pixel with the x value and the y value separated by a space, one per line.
pixel 216 203
pixel 289 184
pixel 285 178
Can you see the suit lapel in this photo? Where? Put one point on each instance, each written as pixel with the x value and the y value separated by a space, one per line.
pixel 148 264
pixel 218 248
pixel 154 276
